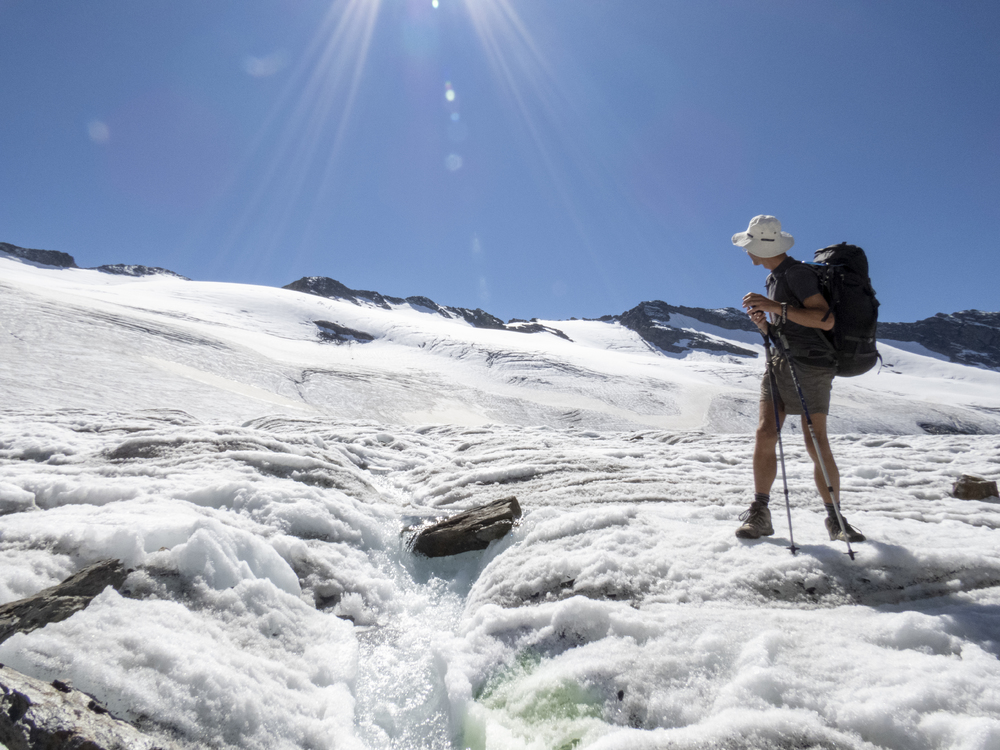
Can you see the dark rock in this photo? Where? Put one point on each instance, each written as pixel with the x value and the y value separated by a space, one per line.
pixel 469 530
pixel 419 301
pixel 35 715
pixel 478 318
pixel 525 327
pixel 955 427
pixel 970 337
pixel 651 320
pixel 340 334
pixel 974 488
pixel 122 269
pixel 42 257
pixel 322 286
pixel 62 600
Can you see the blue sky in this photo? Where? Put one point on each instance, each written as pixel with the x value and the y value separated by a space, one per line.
pixel 536 158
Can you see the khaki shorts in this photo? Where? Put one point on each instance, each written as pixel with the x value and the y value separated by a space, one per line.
pixel 816 382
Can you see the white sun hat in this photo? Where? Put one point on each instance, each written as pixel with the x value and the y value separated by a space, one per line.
pixel 764 238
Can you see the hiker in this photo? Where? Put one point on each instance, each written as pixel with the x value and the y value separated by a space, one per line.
pixel 795 304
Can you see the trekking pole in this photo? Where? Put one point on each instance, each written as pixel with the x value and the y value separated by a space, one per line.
pixel 815 441
pixel 781 448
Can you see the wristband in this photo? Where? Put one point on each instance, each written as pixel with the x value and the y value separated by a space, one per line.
pixel 784 313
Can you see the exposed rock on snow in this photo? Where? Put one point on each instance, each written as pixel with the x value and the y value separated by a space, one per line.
pixel 59 259
pixel 124 269
pixel 953 427
pixel 534 326
pixel 35 714
pixel 469 530
pixel 59 602
pixel 340 334
pixel 974 488
pixel 651 320
pixel 971 337
pixel 322 286
pixel 43 257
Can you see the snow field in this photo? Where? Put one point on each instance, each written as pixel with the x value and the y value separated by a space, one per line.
pixel 274 604
pixel 261 482
pixel 232 352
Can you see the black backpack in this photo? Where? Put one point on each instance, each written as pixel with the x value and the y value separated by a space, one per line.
pixel 843 278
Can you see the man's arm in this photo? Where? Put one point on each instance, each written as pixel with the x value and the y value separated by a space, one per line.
pixel 809 315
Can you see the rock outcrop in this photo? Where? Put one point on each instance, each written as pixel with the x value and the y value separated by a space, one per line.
pixel 469 530
pixel 524 326
pixel 652 321
pixel 58 259
pixel 62 600
pixel 970 337
pixel 974 488
pixel 35 714
pixel 125 269
pixel 42 257
pixel 323 286
pixel 339 334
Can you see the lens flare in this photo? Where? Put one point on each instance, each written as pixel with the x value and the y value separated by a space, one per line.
pixel 99 132
pixel 264 67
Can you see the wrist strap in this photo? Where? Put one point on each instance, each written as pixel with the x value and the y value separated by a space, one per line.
pixel 784 313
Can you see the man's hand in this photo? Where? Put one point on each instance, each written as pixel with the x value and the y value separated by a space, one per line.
pixel 757 307
pixel 811 315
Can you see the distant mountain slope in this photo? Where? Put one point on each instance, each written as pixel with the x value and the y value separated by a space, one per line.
pixel 239 351
pixel 970 337
pixel 52 258
pixel 322 286
pixel 124 269
pixel 652 321
pixel 58 259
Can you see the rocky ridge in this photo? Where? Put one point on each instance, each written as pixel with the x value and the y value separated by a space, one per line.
pixel 969 337
pixel 125 269
pixel 651 320
pixel 58 259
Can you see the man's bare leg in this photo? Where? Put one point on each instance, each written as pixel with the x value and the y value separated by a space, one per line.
pixel 765 461
pixel 833 526
pixel 819 427
pixel 757 518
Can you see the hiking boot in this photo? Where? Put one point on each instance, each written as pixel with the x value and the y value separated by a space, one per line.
pixel 756 522
pixel 833 529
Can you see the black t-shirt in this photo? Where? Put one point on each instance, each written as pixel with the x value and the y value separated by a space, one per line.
pixel 793 282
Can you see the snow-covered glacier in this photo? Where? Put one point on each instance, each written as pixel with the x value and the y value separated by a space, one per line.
pixel 259 476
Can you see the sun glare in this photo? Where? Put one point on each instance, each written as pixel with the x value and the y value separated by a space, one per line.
pixel 295 156
pixel 540 99
pixel 306 128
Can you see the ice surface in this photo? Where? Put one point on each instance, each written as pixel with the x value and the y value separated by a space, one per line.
pixel 259 484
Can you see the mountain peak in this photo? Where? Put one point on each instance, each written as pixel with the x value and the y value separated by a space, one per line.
pixel 58 259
